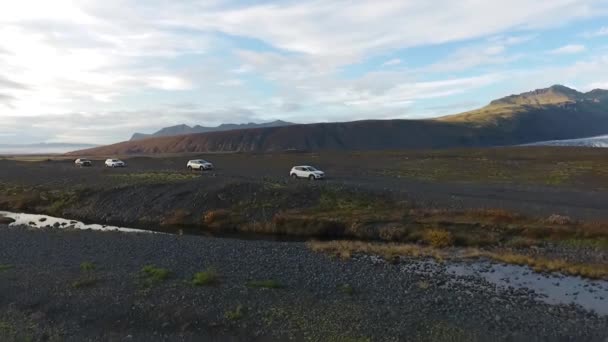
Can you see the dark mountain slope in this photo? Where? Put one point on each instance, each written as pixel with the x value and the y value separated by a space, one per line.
pixel 546 114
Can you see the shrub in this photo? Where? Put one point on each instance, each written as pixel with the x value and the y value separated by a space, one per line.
pixel 222 220
pixel 155 274
pixel 85 282
pixel 178 217
pixel 87 266
pixel 392 234
pixel 346 289
pixel 6 267
pixel 438 238
pixel 205 278
pixel 235 314
pixel 558 219
pixel 305 225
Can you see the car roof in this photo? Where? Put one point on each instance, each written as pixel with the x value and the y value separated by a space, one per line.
pixel 303 166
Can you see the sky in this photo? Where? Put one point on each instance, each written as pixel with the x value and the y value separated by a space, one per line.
pixel 96 71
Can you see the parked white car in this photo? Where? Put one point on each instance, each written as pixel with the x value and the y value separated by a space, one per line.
pixel 81 162
pixel 305 171
pixel 199 164
pixel 115 163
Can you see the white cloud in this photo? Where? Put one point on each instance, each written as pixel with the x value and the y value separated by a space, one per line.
pixel 568 49
pixel 115 62
pixel 601 32
pixel 392 62
pixel 597 85
pixel 352 28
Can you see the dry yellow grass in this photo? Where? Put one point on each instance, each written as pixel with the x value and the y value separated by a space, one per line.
pixel 390 251
pixel 438 238
pixel 178 217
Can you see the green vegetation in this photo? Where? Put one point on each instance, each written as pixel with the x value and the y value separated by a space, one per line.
pixel 235 314
pixel 346 289
pixel 87 279
pixel 484 167
pixel 423 285
pixel 205 278
pixel 152 177
pixel 85 282
pixel 5 327
pixel 153 274
pixel 6 267
pixel 52 202
pixel 87 266
pixel 265 284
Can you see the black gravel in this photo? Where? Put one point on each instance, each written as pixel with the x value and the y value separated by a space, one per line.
pixel 320 299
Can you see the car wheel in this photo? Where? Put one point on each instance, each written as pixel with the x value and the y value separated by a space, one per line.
pixel 294 176
pixel 189 168
pixel 311 177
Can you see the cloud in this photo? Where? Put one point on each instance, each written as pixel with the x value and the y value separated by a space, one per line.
pixel 601 32
pixel 598 85
pixel 568 49
pixel 102 69
pixel 353 28
pixel 392 62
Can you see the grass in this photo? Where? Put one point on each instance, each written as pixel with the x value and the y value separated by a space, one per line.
pixel 6 267
pixel 423 285
pixel 265 284
pixel 235 314
pixel 177 217
pixel 87 279
pixel 85 282
pixel 346 249
pixel 87 266
pixel 6 327
pixel 153 274
pixel 205 278
pixel 346 289
pixel 531 166
pixel 438 238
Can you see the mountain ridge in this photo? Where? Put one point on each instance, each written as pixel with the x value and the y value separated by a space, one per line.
pixel 546 114
pixel 185 129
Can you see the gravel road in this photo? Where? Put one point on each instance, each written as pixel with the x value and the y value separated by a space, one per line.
pixel 45 295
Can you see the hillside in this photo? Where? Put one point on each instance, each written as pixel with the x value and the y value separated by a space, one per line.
pixel 185 129
pixel 546 114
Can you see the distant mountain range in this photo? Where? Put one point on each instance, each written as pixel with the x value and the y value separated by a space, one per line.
pixel 42 148
pixel 601 141
pixel 185 129
pixel 547 114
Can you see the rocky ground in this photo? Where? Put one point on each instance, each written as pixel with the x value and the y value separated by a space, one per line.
pixel 89 286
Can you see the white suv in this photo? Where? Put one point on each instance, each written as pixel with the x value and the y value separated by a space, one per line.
pixel 115 163
pixel 306 172
pixel 199 164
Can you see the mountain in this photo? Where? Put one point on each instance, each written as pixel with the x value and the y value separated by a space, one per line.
pixel 42 148
pixel 185 129
pixel 601 141
pixel 553 113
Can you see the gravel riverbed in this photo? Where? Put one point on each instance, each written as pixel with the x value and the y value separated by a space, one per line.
pixel 46 295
